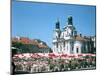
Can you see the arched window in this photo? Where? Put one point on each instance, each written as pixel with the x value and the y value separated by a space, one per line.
pixel 64 44
pixel 77 49
pixel 57 45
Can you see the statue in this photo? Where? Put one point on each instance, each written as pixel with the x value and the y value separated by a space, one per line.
pixel 70 20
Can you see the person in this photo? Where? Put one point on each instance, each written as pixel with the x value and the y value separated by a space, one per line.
pixel 13 68
pixel 13 65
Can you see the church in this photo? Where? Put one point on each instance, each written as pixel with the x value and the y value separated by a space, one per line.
pixel 69 41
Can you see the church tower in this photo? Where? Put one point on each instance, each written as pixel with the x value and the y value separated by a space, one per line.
pixel 70 26
pixel 57 30
pixel 56 36
pixel 69 29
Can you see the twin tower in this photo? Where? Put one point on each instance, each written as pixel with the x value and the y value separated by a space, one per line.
pixel 63 40
pixel 70 22
pixel 68 30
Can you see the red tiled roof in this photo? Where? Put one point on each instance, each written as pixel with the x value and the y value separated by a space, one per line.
pixel 26 40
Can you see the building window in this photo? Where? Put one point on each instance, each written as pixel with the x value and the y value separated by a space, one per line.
pixel 60 48
pixel 77 50
pixel 57 45
pixel 64 44
pixel 67 47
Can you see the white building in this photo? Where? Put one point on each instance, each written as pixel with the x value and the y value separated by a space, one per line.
pixel 68 41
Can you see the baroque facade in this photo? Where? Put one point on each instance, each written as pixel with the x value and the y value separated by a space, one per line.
pixel 70 42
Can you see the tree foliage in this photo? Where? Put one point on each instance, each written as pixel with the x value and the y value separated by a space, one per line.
pixel 28 48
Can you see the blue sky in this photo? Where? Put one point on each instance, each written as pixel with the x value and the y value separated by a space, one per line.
pixel 37 20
